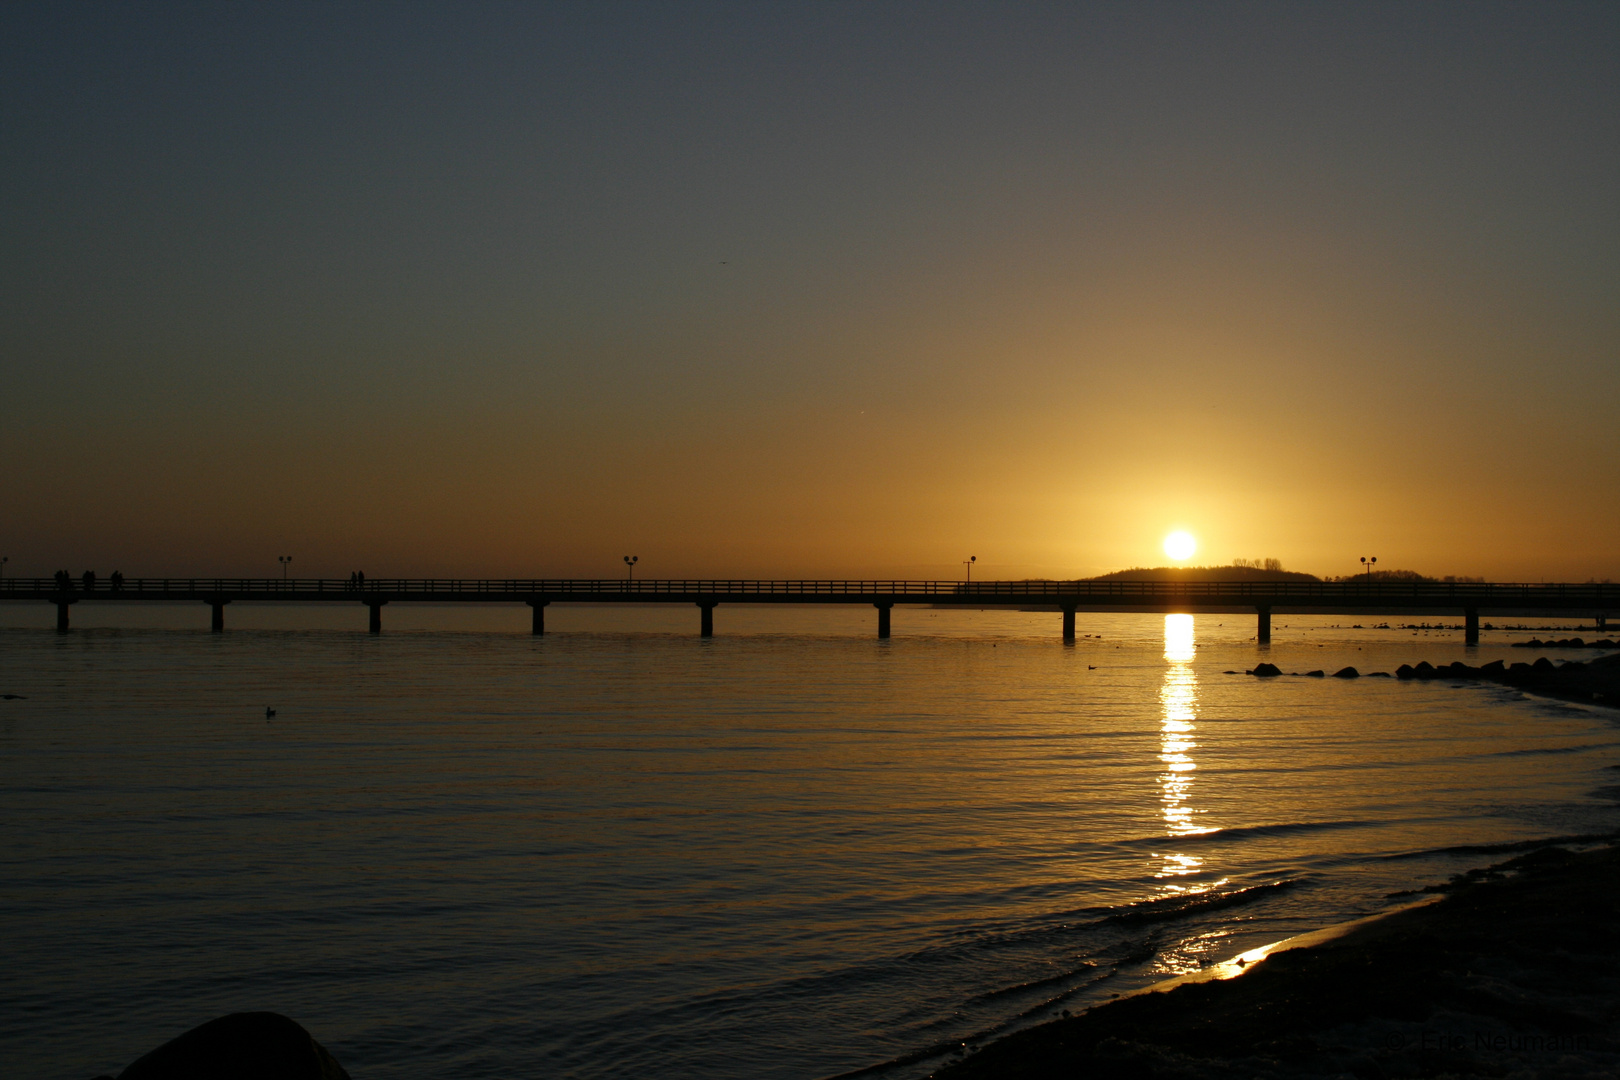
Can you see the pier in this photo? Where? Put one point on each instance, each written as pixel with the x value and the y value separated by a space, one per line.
pixel 1263 599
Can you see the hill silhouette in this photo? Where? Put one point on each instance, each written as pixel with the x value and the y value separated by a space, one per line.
pixel 1205 573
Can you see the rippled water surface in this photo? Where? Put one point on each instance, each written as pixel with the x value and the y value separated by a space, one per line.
pixel 788 851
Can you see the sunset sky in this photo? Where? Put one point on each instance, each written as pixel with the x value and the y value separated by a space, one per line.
pixel 830 290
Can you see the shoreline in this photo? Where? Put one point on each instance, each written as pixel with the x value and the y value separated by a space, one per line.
pixel 1515 969
pixel 1244 962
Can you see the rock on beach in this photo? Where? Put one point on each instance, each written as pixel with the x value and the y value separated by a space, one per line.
pixel 241 1046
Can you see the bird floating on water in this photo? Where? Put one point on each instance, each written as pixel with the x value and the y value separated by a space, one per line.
pixel 268 712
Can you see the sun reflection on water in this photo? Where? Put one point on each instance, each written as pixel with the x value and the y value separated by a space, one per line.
pixel 1178 702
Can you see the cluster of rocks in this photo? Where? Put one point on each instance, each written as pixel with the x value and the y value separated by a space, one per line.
pixel 1271 671
pixel 1496 671
pixel 1565 643
pixel 1573 680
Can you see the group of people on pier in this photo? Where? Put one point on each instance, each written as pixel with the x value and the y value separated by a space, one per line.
pixel 88 580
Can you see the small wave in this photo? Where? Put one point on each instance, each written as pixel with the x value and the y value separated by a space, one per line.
pixel 948 1047
pixel 1537 751
pixel 1033 984
pixel 1177 907
pixel 1054 989
pixel 1247 832
pixel 1507 848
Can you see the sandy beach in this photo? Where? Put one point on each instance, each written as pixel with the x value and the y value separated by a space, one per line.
pixel 1513 973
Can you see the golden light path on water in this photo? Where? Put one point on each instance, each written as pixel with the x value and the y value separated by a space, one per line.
pixel 1178 703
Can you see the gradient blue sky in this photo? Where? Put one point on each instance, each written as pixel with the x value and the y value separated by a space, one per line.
pixel 809 290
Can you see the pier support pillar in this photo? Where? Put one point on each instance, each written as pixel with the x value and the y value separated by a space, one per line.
pixel 1602 622
pixel 1471 626
pixel 1068 624
pixel 217 623
pixel 1262 632
pixel 706 627
pixel 376 607
pixel 62 613
pixel 539 607
pixel 883 620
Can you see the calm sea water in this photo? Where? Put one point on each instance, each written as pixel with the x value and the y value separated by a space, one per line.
pixel 790 851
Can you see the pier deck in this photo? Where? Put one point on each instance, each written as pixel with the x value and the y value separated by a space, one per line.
pixel 1468 599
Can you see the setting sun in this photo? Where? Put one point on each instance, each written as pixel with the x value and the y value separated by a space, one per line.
pixel 1180 545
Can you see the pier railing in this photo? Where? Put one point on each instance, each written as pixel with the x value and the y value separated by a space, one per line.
pixel 1281 593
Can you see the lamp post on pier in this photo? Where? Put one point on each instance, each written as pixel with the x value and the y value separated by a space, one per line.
pixel 1368 565
pixel 284 560
pixel 630 566
pixel 968 562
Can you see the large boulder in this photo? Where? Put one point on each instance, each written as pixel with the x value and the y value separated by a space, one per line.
pixel 241 1046
pixel 1347 673
pixel 1266 671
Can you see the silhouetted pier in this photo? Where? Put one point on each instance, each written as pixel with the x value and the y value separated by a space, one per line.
pixel 1264 598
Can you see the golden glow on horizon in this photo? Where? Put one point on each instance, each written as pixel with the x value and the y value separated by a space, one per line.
pixel 1180 545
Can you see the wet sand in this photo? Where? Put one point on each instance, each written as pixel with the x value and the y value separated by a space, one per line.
pixel 1514 972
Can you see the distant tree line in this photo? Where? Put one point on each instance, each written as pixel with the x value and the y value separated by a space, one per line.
pixel 1405 575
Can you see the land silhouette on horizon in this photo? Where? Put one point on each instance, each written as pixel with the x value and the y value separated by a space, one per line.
pixel 1237 571
pixel 1268 570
